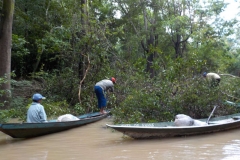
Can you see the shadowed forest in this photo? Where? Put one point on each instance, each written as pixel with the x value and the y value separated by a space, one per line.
pixel 156 49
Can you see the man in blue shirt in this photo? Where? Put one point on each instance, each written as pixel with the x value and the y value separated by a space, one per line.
pixel 36 112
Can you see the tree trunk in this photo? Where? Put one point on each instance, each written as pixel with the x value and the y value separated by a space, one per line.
pixel 84 22
pixel 5 49
pixel 150 57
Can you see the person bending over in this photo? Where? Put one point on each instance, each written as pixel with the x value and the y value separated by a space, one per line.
pixel 213 78
pixel 100 89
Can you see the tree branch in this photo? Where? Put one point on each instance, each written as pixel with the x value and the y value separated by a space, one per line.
pixel 85 74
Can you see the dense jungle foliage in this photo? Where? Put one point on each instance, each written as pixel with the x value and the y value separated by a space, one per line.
pixel 156 49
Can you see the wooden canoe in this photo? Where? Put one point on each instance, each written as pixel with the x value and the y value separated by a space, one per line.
pixel 28 130
pixel 167 129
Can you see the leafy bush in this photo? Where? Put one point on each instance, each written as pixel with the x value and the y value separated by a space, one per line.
pixel 18 110
pixel 4 116
pixel 55 109
pixel 141 107
pixel 155 100
pixel 78 109
pixel 59 86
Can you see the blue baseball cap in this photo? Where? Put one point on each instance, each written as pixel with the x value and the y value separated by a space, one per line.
pixel 204 74
pixel 37 97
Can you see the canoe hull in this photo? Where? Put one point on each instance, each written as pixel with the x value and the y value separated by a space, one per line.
pixel 161 130
pixel 29 130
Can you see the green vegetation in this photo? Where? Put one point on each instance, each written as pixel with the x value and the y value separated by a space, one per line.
pixel 157 50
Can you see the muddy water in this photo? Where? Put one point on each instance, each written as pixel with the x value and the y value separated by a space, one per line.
pixel 96 142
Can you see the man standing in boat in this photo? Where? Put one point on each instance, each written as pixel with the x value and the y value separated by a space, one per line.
pixel 213 78
pixel 36 112
pixel 100 89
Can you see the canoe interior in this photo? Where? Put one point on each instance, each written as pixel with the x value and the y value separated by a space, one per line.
pixel 167 129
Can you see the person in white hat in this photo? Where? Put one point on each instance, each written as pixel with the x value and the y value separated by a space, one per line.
pixel 36 112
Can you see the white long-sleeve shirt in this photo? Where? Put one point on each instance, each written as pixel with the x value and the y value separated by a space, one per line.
pixel 36 113
pixel 212 76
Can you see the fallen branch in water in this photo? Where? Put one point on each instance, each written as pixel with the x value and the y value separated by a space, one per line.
pixel 229 75
pixel 230 96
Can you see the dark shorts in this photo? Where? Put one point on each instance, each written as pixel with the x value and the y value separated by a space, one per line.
pixel 102 101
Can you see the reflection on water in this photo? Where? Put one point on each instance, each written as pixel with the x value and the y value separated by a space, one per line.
pixel 231 150
pixel 95 141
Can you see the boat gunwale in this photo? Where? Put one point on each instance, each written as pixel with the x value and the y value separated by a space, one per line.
pixel 134 126
pixel 30 130
pixel 54 120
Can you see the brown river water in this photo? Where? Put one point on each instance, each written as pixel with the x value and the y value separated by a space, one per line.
pixel 96 142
